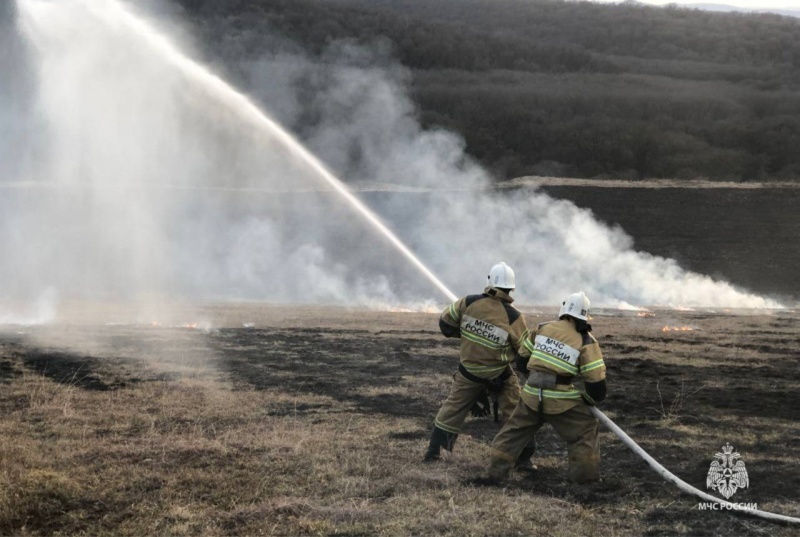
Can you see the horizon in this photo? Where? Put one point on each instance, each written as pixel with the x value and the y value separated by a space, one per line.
pixel 771 5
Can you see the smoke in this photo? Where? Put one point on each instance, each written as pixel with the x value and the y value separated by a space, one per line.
pixel 144 182
pixel 367 129
pixel 41 310
pixel 16 85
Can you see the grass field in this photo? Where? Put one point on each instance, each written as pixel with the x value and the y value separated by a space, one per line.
pixel 313 421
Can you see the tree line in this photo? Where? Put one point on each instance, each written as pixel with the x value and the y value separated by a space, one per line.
pixel 550 87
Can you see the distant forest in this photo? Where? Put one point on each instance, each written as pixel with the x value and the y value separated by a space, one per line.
pixel 572 89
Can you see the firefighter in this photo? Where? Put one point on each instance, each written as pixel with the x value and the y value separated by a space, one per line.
pixel 554 355
pixel 492 332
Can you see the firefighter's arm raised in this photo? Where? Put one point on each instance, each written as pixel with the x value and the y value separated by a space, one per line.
pixel 450 319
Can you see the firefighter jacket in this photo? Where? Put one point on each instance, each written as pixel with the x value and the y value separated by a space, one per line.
pixel 492 331
pixel 557 347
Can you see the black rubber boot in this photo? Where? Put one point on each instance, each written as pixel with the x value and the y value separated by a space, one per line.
pixel 433 454
pixel 439 439
pixel 524 463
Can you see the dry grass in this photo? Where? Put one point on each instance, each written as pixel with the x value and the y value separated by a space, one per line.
pixel 191 456
pixel 174 445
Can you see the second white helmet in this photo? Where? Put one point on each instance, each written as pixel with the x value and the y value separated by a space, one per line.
pixel 576 305
pixel 502 276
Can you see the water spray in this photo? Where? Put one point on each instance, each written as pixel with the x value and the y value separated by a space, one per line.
pixel 178 127
pixel 244 108
pixel 249 112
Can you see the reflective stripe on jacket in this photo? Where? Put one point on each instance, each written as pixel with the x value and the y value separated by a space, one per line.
pixel 492 331
pixel 557 347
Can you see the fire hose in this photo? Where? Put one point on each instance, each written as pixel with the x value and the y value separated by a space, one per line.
pixel 669 476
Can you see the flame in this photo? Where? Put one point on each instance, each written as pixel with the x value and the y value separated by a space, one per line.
pixel 645 314
pixel 189 325
pixel 421 309
pixel 677 329
pixel 155 323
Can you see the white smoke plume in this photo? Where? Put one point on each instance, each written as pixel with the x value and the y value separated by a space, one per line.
pixel 145 181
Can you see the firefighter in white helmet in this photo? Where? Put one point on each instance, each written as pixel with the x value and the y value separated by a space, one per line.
pixel 554 356
pixel 492 333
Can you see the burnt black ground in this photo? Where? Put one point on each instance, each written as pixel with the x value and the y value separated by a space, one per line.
pixel 681 395
pixel 341 364
pixel 759 389
pixel 756 386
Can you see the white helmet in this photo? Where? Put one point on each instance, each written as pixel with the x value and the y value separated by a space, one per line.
pixel 502 276
pixel 576 305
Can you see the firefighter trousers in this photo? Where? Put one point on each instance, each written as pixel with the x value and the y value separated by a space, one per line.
pixel 577 427
pixel 463 394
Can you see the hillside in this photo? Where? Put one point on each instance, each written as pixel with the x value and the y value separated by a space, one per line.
pixel 546 87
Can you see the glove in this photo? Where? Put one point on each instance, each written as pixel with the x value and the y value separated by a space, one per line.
pixel 449 330
pixel 596 391
pixel 481 408
pixel 521 364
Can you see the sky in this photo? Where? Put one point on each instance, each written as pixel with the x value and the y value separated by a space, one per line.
pixel 750 4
